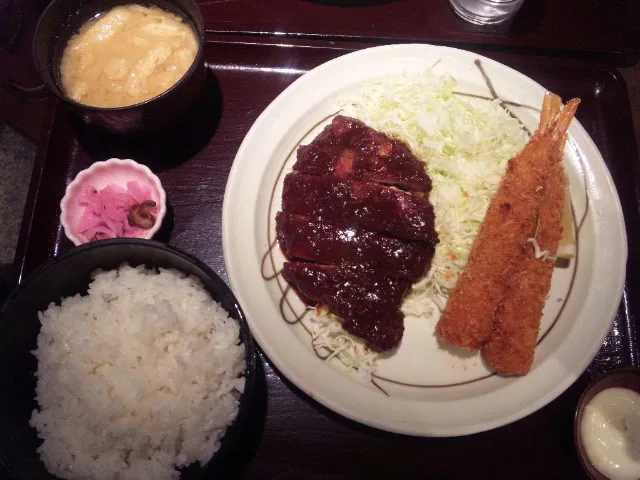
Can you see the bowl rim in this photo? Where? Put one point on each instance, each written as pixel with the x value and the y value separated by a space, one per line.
pixel 235 429
pixel 105 164
pixel 197 25
pixel 585 463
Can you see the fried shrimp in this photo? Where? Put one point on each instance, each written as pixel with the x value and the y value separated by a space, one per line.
pixel 511 346
pixel 469 318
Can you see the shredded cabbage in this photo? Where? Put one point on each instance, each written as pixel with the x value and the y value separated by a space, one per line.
pixel 331 341
pixel 466 148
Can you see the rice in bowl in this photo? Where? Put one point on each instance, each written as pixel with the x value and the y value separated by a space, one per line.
pixel 137 378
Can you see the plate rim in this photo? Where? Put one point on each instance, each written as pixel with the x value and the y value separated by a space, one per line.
pixel 302 382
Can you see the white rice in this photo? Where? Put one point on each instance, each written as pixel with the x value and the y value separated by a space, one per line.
pixel 138 377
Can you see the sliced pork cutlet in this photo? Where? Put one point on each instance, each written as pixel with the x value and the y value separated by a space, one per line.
pixel 321 241
pixel 366 205
pixel 366 300
pixel 349 149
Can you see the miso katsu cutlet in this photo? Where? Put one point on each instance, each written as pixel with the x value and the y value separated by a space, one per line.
pixel 318 240
pixel 374 207
pixel 367 300
pixel 357 228
pixel 349 149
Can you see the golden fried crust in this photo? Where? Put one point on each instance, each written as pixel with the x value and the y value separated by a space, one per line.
pixel 496 257
pixel 511 347
pixel 467 320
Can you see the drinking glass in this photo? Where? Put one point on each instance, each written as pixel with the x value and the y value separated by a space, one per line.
pixel 486 12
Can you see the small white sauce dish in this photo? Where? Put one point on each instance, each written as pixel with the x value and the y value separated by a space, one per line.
pixel 607 426
pixel 114 171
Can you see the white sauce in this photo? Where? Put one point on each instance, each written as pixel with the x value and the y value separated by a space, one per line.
pixel 610 430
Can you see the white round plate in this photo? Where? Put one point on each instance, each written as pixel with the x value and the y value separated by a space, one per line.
pixel 421 389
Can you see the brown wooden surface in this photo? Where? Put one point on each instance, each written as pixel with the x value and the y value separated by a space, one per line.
pixel 579 26
pixel 290 436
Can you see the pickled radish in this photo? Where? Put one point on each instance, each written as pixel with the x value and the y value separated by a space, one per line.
pixel 106 211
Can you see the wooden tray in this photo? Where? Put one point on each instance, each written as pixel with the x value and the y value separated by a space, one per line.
pixel 579 26
pixel 290 435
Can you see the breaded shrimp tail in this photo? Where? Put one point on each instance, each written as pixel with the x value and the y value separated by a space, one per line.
pixel 468 319
pixel 511 347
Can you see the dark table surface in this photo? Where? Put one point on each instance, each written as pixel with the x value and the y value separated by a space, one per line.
pixel 290 436
pixel 570 47
pixel 578 26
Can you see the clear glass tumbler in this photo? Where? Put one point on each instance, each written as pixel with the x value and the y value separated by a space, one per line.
pixel 486 12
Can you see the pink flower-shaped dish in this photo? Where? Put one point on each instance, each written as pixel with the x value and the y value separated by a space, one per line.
pixel 113 198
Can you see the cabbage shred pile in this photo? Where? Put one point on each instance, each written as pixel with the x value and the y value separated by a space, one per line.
pixel 466 148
